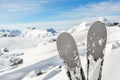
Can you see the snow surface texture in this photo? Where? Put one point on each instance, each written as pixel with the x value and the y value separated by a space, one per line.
pixel 94 68
pixel 40 54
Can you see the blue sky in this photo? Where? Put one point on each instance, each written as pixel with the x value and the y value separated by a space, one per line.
pixel 58 14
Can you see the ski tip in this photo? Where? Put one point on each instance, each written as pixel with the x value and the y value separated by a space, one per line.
pixel 98 22
pixel 63 34
pixel 97 25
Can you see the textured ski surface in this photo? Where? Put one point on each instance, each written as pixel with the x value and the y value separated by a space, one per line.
pixel 69 54
pixel 96 42
pixel 67 49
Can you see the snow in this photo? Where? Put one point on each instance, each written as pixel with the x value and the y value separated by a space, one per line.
pixel 38 50
pixel 33 32
pixel 80 27
pixel 94 68
pixel 101 41
pixel 9 33
pixel 104 20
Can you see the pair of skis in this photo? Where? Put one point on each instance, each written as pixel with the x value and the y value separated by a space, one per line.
pixel 96 42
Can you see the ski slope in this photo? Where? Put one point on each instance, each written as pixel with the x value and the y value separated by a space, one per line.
pixel 40 54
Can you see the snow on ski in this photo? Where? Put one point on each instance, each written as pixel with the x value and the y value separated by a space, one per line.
pixel 96 42
pixel 69 54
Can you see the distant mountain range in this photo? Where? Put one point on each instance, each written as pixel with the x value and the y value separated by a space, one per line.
pixel 29 32
pixel 34 32
pixel 9 33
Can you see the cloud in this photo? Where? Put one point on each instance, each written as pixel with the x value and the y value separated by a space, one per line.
pixel 13 10
pixel 93 10
pixel 58 25
pixel 24 5
pixel 63 19
pixel 18 8
pixel 23 9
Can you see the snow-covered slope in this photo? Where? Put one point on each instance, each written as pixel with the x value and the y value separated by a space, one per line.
pixel 33 32
pixel 79 28
pixel 41 59
pixel 104 20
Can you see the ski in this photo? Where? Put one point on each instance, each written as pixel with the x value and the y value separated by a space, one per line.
pixel 68 52
pixel 96 42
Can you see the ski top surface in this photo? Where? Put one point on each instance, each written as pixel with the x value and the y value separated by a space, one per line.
pixel 96 42
pixel 67 49
pixel 68 52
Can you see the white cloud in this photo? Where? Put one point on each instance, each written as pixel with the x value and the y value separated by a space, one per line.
pixel 93 10
pixel 24 5
pixel 58 25
pixel 67 19
pixel 18 6
pixel 16 9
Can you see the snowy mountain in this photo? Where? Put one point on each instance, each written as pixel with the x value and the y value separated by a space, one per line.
pixel 33 32
pixel 80 27
pixel 104 20
pixel 35 54
pixel 51 30
pixel 29 32
pixel 15 32
pixel 9 33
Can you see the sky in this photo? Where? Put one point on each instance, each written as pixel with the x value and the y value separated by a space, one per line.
pixel 58 14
